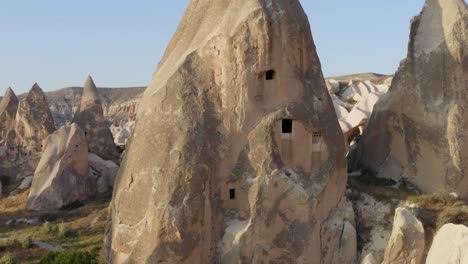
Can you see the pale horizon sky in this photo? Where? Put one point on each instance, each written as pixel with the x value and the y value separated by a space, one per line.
pixel 58 43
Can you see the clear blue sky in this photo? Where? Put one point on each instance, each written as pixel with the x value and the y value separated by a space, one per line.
pixel 58 43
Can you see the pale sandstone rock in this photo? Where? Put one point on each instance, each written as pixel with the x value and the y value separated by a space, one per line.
pixel 450 246
pixel 62 175
pixel 339 232
pixel 91 120
pixel 105 170
pixel 419 126
pixel 210 175
pixel 406 245
pixel 374 224
pixel 34 123
pixel 8 109
pixel 26 183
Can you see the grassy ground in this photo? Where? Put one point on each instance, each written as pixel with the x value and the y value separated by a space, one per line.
pixel 80 228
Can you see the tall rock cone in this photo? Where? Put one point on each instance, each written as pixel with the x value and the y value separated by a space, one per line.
pixel 34 122
pixel 8 108
pixel 418 130
pixel 237 156
pixel 91 120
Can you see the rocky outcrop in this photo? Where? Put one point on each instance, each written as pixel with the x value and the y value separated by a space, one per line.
pixel 374 224
pixel 104 172
pixel 406 245
pixel 8 108
pixel 119 104
pixel 450 245
pixel 338 236
pixel 417 129
pixel 237 155
pixel 62 176
pixel 91 120
pixel 34 121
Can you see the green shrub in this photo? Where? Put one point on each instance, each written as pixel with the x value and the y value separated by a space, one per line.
pixel 436 201
pixel 456 215
pixel 47 228
pixel 63 230
pixel 8 258
pixel 25 241
pixel 68 257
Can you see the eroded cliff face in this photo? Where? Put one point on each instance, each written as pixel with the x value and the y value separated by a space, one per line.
pixel 8 108
pixel 33 123
pixel 62 175
pixel 418 129
pixel 237 155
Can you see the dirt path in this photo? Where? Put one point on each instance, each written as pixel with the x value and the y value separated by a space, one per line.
pixel 46 246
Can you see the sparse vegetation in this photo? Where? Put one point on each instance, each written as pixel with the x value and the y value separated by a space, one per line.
pixel 8 258
pixel 439 209
pixel 63 230
pixel 25 241
pixel 75 257
pixel 76 224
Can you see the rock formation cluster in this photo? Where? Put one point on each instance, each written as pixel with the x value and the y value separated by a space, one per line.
pixel 417 131
pixel 236 127
pixel 24 132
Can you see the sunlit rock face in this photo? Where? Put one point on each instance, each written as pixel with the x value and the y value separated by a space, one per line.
pixel 62 176
pixel 418 130
pixel 91 120
pixel 8 108
pixel 33 123
pixel 237 155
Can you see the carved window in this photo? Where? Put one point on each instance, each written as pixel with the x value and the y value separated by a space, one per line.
pixel 317 142
pixel 270 75
pixel 232 194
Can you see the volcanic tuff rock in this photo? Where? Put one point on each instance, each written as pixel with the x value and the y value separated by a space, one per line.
pixel 34 121
pixel 406 243
pixel 62 176
pixel 119 104
pixel 8 108
pixel 237 155
pixel 450 245
pixel 418 129
pixel 91 120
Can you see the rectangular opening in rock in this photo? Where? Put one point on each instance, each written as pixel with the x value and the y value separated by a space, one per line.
pixel 270 75
pixel 232 194
pixel 287 126
pixel 316 142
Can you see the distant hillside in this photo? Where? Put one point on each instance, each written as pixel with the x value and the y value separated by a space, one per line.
pixel 119 104
pixel 359 77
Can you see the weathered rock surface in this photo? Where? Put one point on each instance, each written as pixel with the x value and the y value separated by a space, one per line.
pixel 104 170
pixel 8 108
pixel 406 245
pixel 62 176
pixel 91 120
pixel 450 245
pixel 119 104
pixel 33 123
pixel 214 172
pixel 339 232
pixel 418 128
pixel 374 224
